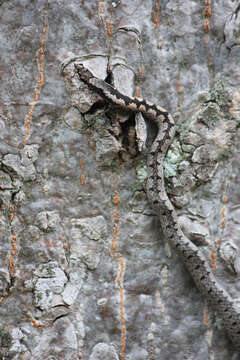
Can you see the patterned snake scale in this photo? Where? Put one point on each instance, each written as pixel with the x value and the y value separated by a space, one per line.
pixel 195 262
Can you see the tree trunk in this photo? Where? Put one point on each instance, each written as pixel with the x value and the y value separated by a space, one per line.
pixel 85 272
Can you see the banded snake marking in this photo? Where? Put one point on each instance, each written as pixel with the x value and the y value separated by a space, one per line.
pixel 195 262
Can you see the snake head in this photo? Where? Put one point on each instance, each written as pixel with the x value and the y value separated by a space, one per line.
pixel 83 73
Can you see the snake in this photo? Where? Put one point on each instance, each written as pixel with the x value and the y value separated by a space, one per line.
pixel 216 296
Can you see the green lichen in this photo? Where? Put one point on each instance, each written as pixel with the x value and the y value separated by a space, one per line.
pixel 218 94
pixel 203 97
pixel 211 114
pixel 172 160
pixel 182 126
pixel 47 270
pixel 38 297
pixel 141 176
pixel 214 102
pixel 141 171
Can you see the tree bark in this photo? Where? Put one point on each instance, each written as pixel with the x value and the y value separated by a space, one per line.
pixel 85 272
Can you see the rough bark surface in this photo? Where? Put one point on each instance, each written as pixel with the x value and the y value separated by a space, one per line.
pixel 85 272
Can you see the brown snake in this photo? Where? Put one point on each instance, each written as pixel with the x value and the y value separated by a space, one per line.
pixel 195 262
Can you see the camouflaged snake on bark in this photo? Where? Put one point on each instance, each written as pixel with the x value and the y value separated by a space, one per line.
pixel 195 262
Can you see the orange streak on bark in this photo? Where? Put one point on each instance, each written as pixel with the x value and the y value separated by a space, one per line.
pixel 115 229
pixel 208 11
pixel 223 217
pixel 140 72
pixel 123 337
pixel 223 211
pixel 113 244
pixel 210 60
pixel 213 261
pixel 206 317
pixel 116 217
pixel 11 266
pixel 207 26
pixel 225 199
pixel 35 324
pixel 108 24
pixel 40 81
pixel 14 244
pixel 119 279
pixel 156 15
pixel 120 276
pixel 179 88
pixel 83 180
pixel 11 215
pixel 116 200
pixel 137 92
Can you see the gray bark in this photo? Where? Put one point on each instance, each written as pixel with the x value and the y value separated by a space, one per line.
pixel 85 272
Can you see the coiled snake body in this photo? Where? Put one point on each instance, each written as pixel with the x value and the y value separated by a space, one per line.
pixel 195 262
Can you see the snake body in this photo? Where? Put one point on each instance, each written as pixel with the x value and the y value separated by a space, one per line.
pixel 195 262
